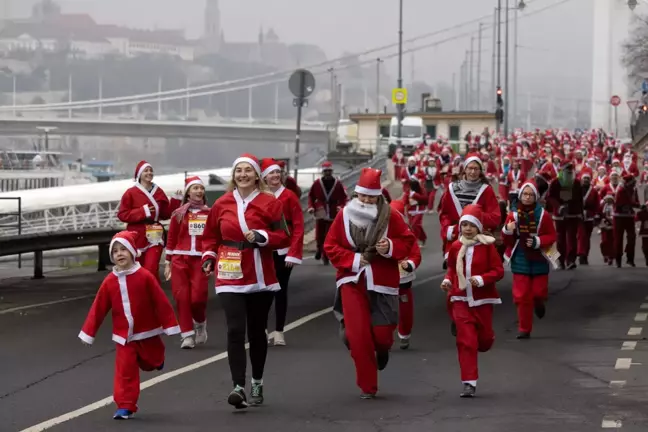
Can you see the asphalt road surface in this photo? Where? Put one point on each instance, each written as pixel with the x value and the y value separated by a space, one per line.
pixel 583 370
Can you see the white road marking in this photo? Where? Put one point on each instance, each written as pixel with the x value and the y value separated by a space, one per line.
pixel 617 384
pixel 611 424
pixel 641 317
pixel 183 370
pixel 643 306
pixel 623 363
pixel 629 346
pixel 37 305
pixel 635 331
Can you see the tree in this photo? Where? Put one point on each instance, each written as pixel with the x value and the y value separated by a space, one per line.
pixel 635 50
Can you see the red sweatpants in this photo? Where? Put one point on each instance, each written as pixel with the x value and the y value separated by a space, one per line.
pixel 321 230
pixel 150 260
pixel 607 243
pixel 416 222
pixel 624 225
pixel 405 311
pixel 527 290
pixel 364 338
pixel 567 232
pixel 189 286
pixel 474 335
pixel 148 355
pixel 431 198
pixel 584 237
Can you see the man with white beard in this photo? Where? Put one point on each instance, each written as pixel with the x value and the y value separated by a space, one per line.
pixel 365 244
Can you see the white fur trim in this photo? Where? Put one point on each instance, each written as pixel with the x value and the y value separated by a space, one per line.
pixel 191 183
pixel 251 161
pixel 356 263
pixel 474 159
pixel 410 262
pixel 451 229
pixel 172 330
pixel 265 236
pixel 367 191
pixel 126 244
pixel 293 260
pixel 473 220
pixel 141 171
pixel 480 280
pixel 533 188
pixel 390 250
pixel 86 338
pixel 270 169
pixel 147 211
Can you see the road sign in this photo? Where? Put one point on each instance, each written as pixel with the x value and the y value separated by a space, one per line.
pixel 615 100
pixel 633 105
pixel 302 83
pixel 399 96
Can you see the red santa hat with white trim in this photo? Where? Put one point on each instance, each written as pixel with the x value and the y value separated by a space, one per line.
pixel 586 172
pixel 473 213
pixel 327 166
pixel 268 165
pixel 126 239
pixel 369 182
pixel 139 169
pixel 532 185
pixel 192 180
pixel 473 157
pixel 248 158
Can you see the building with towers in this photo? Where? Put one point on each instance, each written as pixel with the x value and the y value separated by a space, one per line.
pixel 213 33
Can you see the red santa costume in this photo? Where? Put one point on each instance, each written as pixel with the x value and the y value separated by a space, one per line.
pixel 591 204
pixel 143 210
pixel 606 224
pixel 325 198
pixel 366 301
pixel 625 201
pixel 243 229
pixel 642 219
pixel 474 266
pixel 399 163
pixel 141 312
pixel 416 209
pixel 184 254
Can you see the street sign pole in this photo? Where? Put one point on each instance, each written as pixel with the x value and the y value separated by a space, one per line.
pixel 302 85
pixel 615 101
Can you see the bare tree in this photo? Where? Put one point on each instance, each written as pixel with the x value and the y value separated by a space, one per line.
pixel 635 50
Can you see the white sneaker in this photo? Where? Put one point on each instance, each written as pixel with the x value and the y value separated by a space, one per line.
pixel 188 343
pixel 279 339
pixel 270 337
pixel 201 333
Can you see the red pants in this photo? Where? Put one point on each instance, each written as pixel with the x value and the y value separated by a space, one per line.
pixel 627 225
pixel 584 237
pixel 607 243
pixel 150 260
pixel 321 230
pixel 148 355
pixel 431 199
pixel 567 232
pixel 364 338
pixel 474 334
pixel 416 222
pixel 405 311
pixel 527 291
pixel 189 286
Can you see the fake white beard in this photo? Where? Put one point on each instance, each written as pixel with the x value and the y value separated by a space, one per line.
pixel 361 215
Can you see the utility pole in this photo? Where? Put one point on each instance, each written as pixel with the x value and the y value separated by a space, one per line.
pixel 515 67
pixel 159 116
pixel 479 59
pixel 499 62
pixel 400 69
pixel 506 75
pixel 467 83
pixel 455 96
pixel 70 96
pixel 471 66
pixel 493 82
pixel 378 62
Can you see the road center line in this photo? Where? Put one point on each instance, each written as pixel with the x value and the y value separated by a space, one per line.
pixel 50 303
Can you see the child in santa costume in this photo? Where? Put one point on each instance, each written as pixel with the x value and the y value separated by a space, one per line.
pixel 528 232
pixel 365 244
pixel 142 208
pixel 474 267
pixel 140 314
pixel 407 269
pixel 284 259
pixel 244 227
pixel 183 263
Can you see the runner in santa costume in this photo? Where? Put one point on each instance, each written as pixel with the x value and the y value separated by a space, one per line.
pixel 417 200
pixel 399 162
pixel 243 229
pixel 325 199
pixel 407 268
pixel 141 312
pixel 365 245
pixel 606 225
pixel 565 198
pixel 591 204
pixel 626 201
pixel 284 259
pixel 142 208
pixel 183 263
pixel 474 266
pixel 528 233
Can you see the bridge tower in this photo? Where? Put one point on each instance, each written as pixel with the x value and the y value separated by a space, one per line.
pixel 612 19
pixel 212 36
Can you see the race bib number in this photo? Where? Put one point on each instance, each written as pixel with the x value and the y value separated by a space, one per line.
pixel 154 234
pixel 229 265
pixel 197 224
pixel 552 254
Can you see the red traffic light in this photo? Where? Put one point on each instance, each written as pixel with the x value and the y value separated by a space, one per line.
pixel 499 91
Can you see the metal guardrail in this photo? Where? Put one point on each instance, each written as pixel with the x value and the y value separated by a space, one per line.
pixel 13 221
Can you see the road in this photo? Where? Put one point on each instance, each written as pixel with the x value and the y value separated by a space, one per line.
pixel 572 376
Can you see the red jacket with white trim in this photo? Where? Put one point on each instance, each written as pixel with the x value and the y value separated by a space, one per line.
pixel 140 309
pixel 295 219
pixel 185 236
pixel 515 180
pixel 591 204
pixel 240 266
pixel 545 236
pixel 319 198
pixel 414 260
pixel 625 201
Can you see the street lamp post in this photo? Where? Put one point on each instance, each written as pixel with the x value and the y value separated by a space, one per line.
pixel 499 63
pixel 400 69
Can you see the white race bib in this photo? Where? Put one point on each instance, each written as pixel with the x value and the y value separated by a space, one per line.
pixel 154 234
pixel 197 224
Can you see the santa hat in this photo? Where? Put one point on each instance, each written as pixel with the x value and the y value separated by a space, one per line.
pixel 127 239
pixel 398 205
pixel 530 184
pixel 327 166
pixel 139 169
pixel 628 178
pixel 190 181
pixel 473 158
pixel 472 213
pixel 411 159
pixel 586 172
pixel 614 173
pixel 369 182
pixel 566 165
pixel 248 158
pixel 268 165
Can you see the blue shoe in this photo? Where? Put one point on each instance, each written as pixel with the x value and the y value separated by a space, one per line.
pixel 123 414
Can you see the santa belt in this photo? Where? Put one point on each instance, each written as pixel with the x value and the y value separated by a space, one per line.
pixel 240 245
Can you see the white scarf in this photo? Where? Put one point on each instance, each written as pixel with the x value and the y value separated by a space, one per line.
pixel 465 244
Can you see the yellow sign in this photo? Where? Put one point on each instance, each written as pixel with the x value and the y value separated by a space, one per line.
pixel 399 96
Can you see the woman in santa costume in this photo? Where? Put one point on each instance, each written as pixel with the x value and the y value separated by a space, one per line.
pixel 606 225
pixel 243 229
pixel 141 313
pixel 626 200
pixel 365 244
pixel 528 232
pixel 284 259
pixel 183 263
pixel 591 204
pixel 142 208
pixel 474 267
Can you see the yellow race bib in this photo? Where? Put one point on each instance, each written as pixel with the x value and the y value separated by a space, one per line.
pixel 154 234
pixel 229 265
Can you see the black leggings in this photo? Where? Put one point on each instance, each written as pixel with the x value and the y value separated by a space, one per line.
pixel 249 310
pixel 281 296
